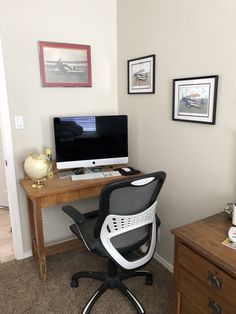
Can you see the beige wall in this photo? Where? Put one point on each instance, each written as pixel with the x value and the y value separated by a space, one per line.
pixel 190 38
pixel 22 25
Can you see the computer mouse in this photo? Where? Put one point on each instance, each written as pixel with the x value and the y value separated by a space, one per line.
pixel 126 169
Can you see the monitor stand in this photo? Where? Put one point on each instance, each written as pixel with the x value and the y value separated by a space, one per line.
pixel 65 174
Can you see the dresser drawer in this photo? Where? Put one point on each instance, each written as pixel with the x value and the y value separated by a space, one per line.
pixel 188 307
pixel 200 297
pixel 211 276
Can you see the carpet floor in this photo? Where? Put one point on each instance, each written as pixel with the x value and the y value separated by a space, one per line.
pixel 21 291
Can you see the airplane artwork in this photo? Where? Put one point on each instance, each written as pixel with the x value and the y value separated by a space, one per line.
pixel 193 100
pixel 141 75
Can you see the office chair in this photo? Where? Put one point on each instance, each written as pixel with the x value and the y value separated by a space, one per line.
pixel 125 223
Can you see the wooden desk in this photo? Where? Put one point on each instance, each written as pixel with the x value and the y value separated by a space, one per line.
pixel 204 269
pixel 57 191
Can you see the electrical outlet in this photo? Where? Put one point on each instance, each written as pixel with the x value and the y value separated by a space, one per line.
pixel 159 235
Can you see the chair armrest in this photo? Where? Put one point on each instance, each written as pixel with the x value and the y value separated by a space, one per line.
pixel 91 215
pixel 74 214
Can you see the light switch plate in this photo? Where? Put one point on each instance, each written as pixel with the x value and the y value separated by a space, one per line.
pixel 19 122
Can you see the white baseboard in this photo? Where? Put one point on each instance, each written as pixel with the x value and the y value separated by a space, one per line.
pixel 27 254
pixel 163 262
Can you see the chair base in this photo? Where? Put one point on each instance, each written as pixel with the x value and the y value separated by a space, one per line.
pixel 112 280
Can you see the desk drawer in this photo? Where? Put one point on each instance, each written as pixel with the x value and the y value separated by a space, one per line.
pixel 201 297
pixel 211 276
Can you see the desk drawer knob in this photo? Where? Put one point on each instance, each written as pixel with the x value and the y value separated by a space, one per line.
pixel 214 281
pixel 214 307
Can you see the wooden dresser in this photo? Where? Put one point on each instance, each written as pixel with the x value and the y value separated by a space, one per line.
pixel 204 269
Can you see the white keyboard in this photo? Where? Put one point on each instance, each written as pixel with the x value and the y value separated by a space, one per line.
pixel 95 175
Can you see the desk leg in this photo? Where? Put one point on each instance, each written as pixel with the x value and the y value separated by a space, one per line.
pixel 32 226
pixel 40 241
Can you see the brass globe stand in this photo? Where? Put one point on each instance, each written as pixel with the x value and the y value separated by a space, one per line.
pixel 39 184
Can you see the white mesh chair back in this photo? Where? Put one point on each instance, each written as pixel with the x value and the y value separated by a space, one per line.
pixel 130 218
pixel 115 225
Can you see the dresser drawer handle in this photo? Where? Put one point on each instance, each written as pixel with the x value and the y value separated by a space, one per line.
pixel 214 307
pixel 214 281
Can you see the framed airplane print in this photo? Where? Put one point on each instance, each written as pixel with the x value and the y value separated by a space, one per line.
pixel 141 75
pixel 194 99
pixel 65 65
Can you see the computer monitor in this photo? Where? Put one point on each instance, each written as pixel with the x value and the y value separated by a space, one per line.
pixel 88 141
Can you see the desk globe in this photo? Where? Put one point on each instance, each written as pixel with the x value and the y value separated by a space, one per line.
pixel 37 167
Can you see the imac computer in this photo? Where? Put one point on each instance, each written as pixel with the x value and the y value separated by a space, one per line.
pixel 89 141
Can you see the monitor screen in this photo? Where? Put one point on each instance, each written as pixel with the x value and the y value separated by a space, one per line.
pixel 87 141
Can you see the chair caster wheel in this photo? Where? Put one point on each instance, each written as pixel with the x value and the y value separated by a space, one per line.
pixel 74 283
pixel 149 280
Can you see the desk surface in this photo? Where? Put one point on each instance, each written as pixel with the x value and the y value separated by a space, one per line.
pixel 206 236
pixel 56 185
pixel 59 191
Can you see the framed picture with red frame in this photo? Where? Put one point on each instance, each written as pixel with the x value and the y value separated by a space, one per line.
pixel 65 65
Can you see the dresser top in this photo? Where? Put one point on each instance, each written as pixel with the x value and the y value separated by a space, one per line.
pixel 206 236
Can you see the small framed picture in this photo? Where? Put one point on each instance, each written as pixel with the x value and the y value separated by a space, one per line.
pixel 194 99
pixel 141 75
pixel 67 65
